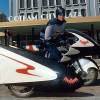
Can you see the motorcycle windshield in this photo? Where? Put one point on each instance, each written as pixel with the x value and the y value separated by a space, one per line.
pixel 83 35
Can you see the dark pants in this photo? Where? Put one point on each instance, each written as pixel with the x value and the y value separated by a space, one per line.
pixel 52 52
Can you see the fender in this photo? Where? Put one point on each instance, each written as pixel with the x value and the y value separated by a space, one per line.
pixel 87 63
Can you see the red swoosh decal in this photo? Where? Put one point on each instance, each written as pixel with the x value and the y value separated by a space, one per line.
pixel 23 70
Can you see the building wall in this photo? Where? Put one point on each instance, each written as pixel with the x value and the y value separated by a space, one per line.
pixel 91 7
pixel 98 7
pixel 73 9
pixel 15 9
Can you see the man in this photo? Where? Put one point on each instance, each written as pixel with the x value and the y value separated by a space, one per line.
pixel 55 27
pixel 8 37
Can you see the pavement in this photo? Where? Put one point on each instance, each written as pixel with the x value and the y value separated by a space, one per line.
pixel 84 93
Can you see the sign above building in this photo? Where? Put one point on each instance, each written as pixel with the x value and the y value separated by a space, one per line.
pixel 23 17
pixel 43 16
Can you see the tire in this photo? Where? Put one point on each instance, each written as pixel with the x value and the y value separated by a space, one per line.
pixel 21 91
pixel 90 77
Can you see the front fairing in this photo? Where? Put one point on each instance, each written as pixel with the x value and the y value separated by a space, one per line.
pixel 81 36
pixel 82 44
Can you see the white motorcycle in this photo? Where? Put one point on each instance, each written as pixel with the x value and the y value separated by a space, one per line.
pixel 78 48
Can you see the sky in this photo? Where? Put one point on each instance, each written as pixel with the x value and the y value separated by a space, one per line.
pixel 4 7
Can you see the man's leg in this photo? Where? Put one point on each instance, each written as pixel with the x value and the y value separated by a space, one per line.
pixel 53 53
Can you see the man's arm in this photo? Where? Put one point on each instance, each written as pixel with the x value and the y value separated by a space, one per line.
pixel 48 32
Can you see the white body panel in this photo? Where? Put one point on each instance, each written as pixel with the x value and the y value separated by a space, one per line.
pixel 86 64
pixel 15 69
pixel 82 42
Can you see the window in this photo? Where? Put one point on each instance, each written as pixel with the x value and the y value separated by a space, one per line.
pixel 44 15
pixel 83 12
pixel 51 2
pixel 35 3
pixel 22 16
pixel 58 2
pixel 44 3
pixel 76 12
pixel 35 14
pixel 22 4
pixel 98 1
pixel 75 2
pixel 99 11
pixel 67 2
pixel 82 1
pixel 29 16
pixel 52 14
pixel 68 13
pixel 28 3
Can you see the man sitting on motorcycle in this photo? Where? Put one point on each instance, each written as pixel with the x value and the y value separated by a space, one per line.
pixel 55 27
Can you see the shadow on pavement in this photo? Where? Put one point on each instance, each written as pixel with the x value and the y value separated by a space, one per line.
pixel 96 83
pixel 62 94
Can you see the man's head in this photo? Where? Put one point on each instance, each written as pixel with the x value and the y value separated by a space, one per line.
pixel 60 13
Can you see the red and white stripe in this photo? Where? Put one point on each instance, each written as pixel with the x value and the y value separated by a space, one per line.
pixel 32 48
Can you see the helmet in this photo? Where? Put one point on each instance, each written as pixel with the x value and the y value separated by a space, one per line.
pixel 60 11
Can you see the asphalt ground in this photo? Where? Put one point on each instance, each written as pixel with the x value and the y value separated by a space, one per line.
pixel 84 93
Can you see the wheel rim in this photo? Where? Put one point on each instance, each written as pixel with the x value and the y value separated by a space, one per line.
pixel 89 77
pixel 21 91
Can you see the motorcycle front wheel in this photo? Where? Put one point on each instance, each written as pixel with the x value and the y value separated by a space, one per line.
pixel 21 91
pixel 90 77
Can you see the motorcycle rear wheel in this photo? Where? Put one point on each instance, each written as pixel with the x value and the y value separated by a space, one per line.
pixel 21 91
pixel 90 77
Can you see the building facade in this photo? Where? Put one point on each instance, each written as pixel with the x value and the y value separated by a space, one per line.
pixel 46 8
